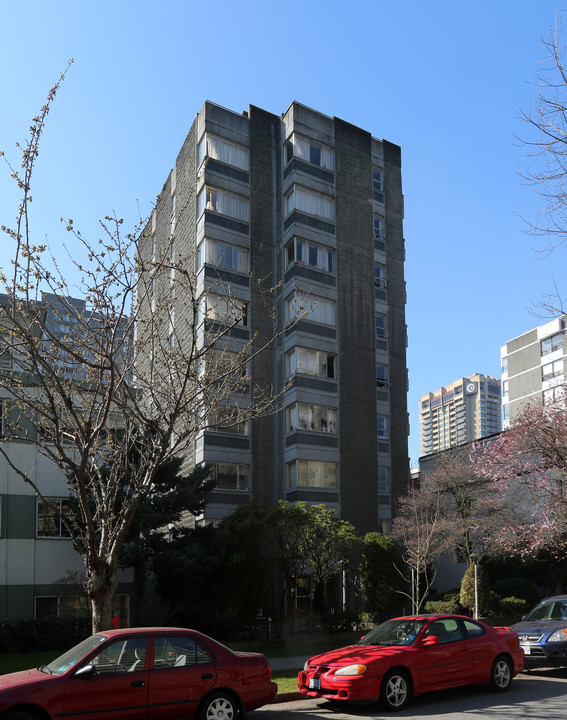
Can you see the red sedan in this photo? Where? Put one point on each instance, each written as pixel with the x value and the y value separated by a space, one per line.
pixel 410 655
pixel 141 673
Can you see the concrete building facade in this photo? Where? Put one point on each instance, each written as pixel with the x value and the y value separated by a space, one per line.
pixel 463 411
pixel 533 366
pixel 312 206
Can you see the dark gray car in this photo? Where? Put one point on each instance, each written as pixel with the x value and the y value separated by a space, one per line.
pixel 543 633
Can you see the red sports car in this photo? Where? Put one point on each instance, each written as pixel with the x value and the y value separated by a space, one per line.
pixel 141 674
pixel 411 655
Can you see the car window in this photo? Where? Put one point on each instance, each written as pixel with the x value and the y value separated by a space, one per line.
pixel 473 629
pixel 549 610
pixel 179 651
pixel 121 656
pixel 446 629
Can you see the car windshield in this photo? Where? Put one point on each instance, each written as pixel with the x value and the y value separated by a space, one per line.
pixel 403 631
pixel 549 610
pixel 74 655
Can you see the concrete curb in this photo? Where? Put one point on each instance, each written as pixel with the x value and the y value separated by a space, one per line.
pixel 288 697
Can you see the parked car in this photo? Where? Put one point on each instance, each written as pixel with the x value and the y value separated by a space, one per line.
pixel 407 656
pixel 543 632
pixel 159 673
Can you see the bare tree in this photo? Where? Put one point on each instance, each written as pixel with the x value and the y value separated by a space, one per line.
pixel 545 142
pixel 422 532
pixel 109 388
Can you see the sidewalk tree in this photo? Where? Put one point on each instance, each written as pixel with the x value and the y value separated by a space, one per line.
pixel 382 584
pixel 85 383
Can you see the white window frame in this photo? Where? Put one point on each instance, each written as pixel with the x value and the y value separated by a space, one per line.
pixel 309 361
pixel 555 342
pixel 62 533
pixel 552 369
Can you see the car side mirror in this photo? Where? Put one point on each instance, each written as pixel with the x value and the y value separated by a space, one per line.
pixel 85 671
pixel 431 640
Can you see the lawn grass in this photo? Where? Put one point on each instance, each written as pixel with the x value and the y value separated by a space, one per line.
pixel 286 680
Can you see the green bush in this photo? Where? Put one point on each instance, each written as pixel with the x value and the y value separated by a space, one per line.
pixel 517 587
pixel 447 602
pixel 468 594
pixel 18 636
pixel 508 605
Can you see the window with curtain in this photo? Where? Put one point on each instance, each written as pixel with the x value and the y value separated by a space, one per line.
pixel 224 151
pixel 223 255
pixel 223 309
pixel 224 203
pixel 311 307
pixel 311 362
pixel 312 473
pixel 304 416
pixel 310 202
pixel 310 151
pixel 308 253
pixel 230 476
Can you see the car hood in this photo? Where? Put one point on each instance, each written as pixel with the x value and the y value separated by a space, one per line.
pixel 538 627
pixel 24 677
pixel 356 654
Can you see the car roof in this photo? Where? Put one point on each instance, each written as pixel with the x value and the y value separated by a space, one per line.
pixel 145 631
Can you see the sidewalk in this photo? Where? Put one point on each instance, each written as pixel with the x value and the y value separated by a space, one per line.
pixel 288 663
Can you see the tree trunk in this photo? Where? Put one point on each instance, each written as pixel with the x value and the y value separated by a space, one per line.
pixel 100 586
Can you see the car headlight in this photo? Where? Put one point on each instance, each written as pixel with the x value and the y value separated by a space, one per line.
pixel 352 670
pixel 306 666
pixel 558 636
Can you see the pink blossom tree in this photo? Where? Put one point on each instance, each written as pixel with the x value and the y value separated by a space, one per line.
pixel 528 464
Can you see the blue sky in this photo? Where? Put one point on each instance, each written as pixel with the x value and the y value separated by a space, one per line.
pixel 444 79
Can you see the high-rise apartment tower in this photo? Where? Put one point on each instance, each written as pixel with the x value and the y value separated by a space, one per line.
pixel 465 410
pixel 314 206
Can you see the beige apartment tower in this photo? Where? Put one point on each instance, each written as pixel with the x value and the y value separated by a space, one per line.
pixel 463 411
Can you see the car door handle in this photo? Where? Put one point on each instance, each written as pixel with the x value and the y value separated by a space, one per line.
pixel 207 676
pixel 137 683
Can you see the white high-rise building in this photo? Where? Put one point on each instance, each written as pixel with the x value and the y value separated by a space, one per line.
pixel 533 366
pixel 463 411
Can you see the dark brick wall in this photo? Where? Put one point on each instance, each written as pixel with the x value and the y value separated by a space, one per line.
pixel 357 353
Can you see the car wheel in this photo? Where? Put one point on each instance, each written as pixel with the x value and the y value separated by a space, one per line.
pixel 395 692
pixel 501 674
pixel 220 706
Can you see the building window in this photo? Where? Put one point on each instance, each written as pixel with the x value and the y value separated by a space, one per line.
pixel 307 253
pixel 312 203
pixel 60 606
pixel 383 480
pixel 378 185
pixel 379 275
pixel 223 309
pixel 551 344
pixel 381 325
pixel 383 427
pixel 312 308
pixel 505 364
pixel 319 418
pixel 312 473
pixel 381 375
pixel 224 203
pixel 552 370
pixel 49 514
pixel 224 151
pixel 227 419
pixel 230 476
pixel 379 227
pixel 310 151
pixel 5 350
pixel 222 255
pixel 311 362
